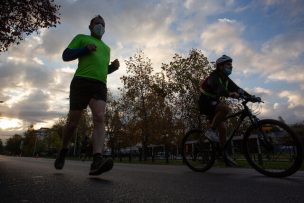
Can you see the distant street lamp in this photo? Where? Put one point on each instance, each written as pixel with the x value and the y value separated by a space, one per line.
pixel 37 135
pixel 76 132
pixel 34 151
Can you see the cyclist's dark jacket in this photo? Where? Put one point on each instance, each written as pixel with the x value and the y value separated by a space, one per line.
pixel 214 87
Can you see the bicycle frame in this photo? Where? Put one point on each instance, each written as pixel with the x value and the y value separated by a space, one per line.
pixel 244 113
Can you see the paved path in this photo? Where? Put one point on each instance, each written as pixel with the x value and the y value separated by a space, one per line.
pixel 35 180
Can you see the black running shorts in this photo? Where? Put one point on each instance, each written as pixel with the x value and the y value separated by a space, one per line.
pixel 82 90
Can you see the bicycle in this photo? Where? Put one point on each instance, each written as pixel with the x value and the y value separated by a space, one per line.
pixel 269 146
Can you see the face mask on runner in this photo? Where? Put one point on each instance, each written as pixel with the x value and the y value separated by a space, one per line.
pixel 227 71
pixel 99 30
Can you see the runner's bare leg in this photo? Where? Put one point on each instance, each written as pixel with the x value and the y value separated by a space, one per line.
pixel 98 108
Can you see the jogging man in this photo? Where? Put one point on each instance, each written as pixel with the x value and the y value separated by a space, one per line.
pixel 88 88
pixel 215 86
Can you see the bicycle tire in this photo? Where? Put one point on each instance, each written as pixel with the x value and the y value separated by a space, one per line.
pixel 272 148
pixel 197 151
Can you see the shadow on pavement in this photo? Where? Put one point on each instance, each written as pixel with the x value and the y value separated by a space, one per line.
pixel 58 174
pixel 100 180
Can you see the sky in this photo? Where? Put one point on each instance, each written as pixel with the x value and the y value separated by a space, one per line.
pixel 265 38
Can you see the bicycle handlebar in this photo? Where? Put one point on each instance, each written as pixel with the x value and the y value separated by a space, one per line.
pixel 251 98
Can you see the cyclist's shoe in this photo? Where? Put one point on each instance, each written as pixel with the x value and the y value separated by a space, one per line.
pixel 100 165
pixel 59 162
pixel 229 161
pixel 212 135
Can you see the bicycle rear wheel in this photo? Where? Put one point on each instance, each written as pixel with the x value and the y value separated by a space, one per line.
pixel 272 148
pixel 197 151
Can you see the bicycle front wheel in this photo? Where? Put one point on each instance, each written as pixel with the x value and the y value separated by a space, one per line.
pixel 273 149
pixel 197 151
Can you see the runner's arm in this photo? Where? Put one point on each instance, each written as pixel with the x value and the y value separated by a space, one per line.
pixel 232 87
pixel 72 54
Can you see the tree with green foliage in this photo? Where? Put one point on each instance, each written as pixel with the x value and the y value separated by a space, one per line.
pixel 113 124
pixel 299 130
pixel 19 18
pixel 137 87
pixel 56 135
pixel 84 128
pixel 184 75
pixel 13 145
pixel 30 140
pixel 161 112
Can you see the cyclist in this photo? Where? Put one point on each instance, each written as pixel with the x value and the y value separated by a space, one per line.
pixel 215 86
pixel 88 88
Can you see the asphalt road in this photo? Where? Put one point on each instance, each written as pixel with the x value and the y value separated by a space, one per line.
pixel 36 180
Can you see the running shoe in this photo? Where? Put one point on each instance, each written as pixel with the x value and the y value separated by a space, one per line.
pixel 100 165
pixel 212 135
pixel 59 162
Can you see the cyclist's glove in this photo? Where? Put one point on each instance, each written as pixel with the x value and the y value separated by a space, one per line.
pixel 255 99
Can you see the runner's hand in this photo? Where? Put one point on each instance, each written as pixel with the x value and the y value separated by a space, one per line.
pixel 115 64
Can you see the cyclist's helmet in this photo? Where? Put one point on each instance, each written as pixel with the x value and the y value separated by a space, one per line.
pixel 222 59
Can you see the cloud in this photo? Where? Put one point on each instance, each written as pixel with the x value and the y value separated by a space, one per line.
pixel 285 47
pixel 10 124
pixel 35 81
pixel 223 36
pixel 226 20
pixel 32 90
pixel 274 105
pixel 291 75
pixel 290 8
pixel 272 2
pixel 261 92
pixel 275 110
pixel 209 7
pixel 294 98
pixel 282 53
